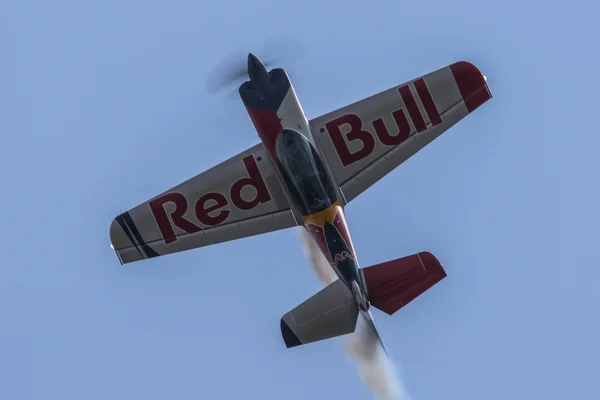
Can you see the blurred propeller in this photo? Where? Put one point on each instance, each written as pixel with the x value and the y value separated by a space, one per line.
pixel 274 53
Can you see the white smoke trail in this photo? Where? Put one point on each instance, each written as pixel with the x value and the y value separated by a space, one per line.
pixel 374 368
pixel 317 261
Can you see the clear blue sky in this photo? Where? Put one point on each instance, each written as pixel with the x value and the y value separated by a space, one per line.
pixel 103 105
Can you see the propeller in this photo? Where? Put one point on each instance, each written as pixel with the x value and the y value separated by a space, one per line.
pixel 233 69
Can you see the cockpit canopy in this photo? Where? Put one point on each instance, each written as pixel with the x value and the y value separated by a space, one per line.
pixel 305 176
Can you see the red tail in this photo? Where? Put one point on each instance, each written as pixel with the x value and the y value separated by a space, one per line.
pixel 392 285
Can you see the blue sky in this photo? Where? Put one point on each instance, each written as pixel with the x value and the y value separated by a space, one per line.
pixel 104 105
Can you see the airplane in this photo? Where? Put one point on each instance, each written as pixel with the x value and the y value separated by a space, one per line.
pixel 303 173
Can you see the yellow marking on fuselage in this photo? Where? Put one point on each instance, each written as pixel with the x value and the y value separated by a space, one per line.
pixel 327 214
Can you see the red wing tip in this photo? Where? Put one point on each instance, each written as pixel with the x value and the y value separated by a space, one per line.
pixel 471 83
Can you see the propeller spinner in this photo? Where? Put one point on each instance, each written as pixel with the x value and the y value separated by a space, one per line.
pixel 232 71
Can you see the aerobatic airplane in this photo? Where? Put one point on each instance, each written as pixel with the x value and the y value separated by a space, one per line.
pixel 303 174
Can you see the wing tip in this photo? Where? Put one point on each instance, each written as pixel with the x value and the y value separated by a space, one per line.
pixel 471 83
pixel 118 233
pixel 115 231
pixel 289 337
pixel 126 241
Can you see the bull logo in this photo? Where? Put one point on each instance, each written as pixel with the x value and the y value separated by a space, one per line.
pixel 336 245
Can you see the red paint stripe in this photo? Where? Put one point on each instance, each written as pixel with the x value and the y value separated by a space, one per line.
pixel 471 84
pixel 427 100
pixel 268 126
pixel 412 108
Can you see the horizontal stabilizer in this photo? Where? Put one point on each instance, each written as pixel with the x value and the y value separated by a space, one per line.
pixel 329 313
pixel 392 285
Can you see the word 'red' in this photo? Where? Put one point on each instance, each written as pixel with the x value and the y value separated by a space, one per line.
pixel 208 215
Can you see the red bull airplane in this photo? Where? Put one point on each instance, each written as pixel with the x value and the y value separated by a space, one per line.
pixel 303 174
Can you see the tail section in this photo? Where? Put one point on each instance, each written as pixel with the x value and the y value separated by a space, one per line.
pixel 329 313
pixel 392 285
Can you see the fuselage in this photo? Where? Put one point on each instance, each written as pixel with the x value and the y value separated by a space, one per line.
pixel 286 134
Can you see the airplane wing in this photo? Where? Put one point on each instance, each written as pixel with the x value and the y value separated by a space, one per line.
pixel 364 141
pixel 238 198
